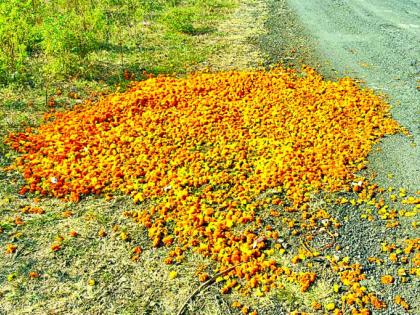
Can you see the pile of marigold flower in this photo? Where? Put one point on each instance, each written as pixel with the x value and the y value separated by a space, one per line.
pixel 204 149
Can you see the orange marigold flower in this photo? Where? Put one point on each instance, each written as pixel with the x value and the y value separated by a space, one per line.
pixel 55 247
pixel 316 305
pixel 67 214
pixel 208 153
pixel 34 275
pixel 19 221
pixel 11 248
pixel 203 277
pixel 387 279
pixel 137 250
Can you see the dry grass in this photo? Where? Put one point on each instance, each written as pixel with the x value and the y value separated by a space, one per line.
pixel 239 45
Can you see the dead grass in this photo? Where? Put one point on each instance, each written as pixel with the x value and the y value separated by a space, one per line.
pixel 121 285
pixel 239 45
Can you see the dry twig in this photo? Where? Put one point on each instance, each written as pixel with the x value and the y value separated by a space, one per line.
pixel 204 286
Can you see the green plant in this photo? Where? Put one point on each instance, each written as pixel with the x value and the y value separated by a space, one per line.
pixel 96 40
pixel 18 39
pixel 181 19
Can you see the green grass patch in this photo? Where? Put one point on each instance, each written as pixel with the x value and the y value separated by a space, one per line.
pixel 43 41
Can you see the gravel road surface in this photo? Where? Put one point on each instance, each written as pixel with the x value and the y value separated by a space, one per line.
pixel 377 41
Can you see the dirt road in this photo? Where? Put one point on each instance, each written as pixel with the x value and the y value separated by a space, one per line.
pixel 377 41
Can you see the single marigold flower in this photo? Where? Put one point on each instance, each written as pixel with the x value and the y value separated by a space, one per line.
pixel 173 274
pixel 55 247
pixel 125 236
pixel 11 248
pixel 19 221
pixel 102 233
pixel 316 305
pixel 387 279
pixel 67 214
pixel 137 250
pixel 203 277
pixel 402 302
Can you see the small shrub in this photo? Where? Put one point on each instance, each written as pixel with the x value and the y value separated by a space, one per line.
pixel 182 19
